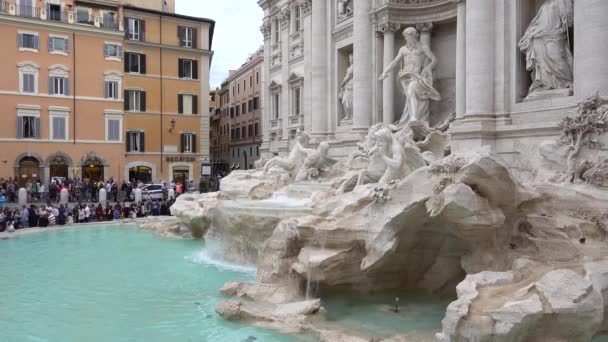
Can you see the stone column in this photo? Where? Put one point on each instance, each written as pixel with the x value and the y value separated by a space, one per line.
pixel 388 84
pixel 461 57
pixel 362 61
pixel 319 67
pixel 480 50
pixel 266 95
pixel 284 108
pixel 590 50
pixel 307 38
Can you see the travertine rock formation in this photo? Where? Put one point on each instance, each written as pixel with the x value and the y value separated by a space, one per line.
pixel 526 262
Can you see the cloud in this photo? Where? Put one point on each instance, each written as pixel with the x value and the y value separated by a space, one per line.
pixel 237 32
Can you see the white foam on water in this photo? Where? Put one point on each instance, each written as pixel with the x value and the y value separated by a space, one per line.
pixel 203 257
pixel 281 198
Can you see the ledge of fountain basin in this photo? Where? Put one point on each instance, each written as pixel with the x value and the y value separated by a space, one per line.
pixel 306 189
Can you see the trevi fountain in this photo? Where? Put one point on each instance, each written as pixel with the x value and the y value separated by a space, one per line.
pixel 498 202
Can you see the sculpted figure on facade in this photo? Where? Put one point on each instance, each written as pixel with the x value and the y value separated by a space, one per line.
pixel 400 160
pixel 546 44
pixel 346 91
pixel 416 77
pixel 345 9
pixel 316 163
pixel 294 161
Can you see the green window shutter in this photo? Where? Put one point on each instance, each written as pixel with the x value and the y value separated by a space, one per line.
pixel 195 104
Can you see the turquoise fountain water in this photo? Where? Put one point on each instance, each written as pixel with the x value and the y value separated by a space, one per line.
pixel 115 283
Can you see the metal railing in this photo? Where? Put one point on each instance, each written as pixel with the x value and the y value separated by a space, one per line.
pixel 51 14
pixel 28 11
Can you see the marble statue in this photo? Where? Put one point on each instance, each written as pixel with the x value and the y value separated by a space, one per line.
pixel 345 9
pixel 399 160
pixel 375 165
pixel 546 44
pixel 316 163
pixel 292 163
pixel 416 77
pixel 346 91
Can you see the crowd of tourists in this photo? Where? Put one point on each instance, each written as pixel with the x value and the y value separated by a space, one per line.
pixel 81 191
pixel 52 215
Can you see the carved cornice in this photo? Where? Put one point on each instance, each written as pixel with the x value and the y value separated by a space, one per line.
pixel 342 33
pixel 266 29
pixel 387 27
pixel 414 11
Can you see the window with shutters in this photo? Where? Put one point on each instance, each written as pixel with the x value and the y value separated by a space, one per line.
pixel 244 132
pixel 250 106
pixel 28 83
pixel 244 108
pixel 257 129
pixel 59 86
pixel 187 37
pixel 188 68
pixel 188 143
pixel 275 105
pixel 112 51
pixel 58 126
pixel 297 23
pixel 58 45
pixel 232 112
pixel 188 104
pixel 237 110
pixel 276 32
pixel 135 29
pixel 83 16
pixel 135 141
pixel 296 101
pixel 27 41
pixel 30 127
pixel 256 103
pixel 113 128
pixel 250 133
pixel 135 100
pixel 135 63
pixel 111 90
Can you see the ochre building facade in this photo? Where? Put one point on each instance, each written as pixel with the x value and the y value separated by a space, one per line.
pixel 100 90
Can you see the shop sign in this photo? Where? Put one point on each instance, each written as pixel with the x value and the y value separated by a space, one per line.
pixel 180 159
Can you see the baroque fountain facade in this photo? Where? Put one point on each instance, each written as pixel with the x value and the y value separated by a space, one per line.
pixel 499 200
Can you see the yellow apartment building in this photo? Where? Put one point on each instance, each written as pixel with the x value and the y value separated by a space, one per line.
pixel 103 89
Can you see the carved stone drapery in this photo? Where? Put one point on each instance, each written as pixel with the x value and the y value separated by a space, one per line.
pixel 284 16
pixel 424 27
pixel 306 6
pixel 344 9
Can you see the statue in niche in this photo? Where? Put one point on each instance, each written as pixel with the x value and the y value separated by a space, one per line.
pixel 294 161
pixel 346 91
pixel 546 44
pixel 345 9
pixel 416 77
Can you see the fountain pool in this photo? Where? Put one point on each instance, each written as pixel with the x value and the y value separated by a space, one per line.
pixel 115 283
pixel 372 315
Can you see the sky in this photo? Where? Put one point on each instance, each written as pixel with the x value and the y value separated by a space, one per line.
pixel 237 31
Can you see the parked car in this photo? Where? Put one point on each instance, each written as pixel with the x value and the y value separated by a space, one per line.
pixel 150 192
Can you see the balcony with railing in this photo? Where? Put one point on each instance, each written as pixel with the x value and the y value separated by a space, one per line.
pixel 55 13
